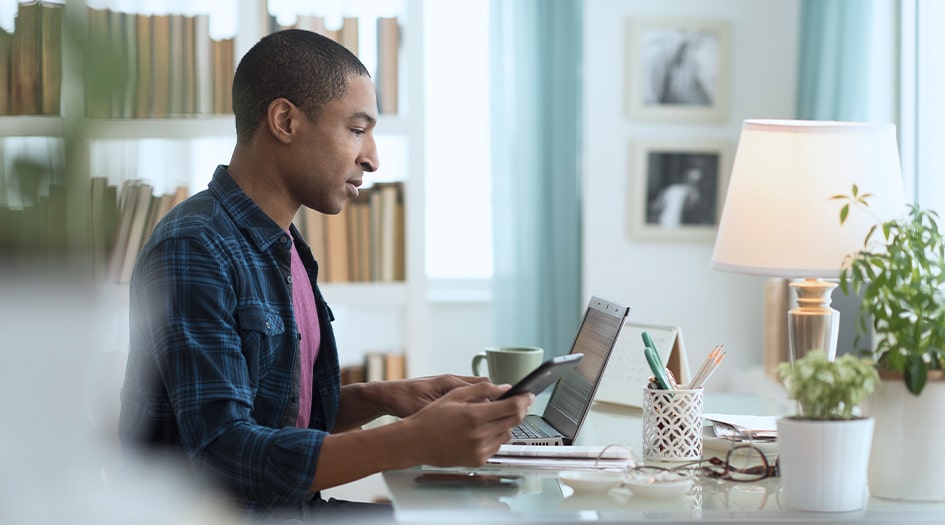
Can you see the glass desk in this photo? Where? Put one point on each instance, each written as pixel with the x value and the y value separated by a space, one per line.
pixel 542 498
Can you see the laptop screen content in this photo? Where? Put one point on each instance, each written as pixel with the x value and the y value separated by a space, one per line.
pixel 575 391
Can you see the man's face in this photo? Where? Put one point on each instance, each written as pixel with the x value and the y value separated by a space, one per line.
pixel 333 152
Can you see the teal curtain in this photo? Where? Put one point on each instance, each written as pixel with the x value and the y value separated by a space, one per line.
pixel 837 72
pixel 536 133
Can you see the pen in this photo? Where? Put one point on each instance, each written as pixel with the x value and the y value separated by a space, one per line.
pixel 647 340
pixel 659 372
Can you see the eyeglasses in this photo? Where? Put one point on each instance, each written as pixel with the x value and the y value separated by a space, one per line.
pixel 742 463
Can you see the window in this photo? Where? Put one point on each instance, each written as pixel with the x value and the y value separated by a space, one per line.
pixel 922 120
pixel 458 181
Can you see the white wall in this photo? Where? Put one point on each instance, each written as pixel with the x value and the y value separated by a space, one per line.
pixel 672 282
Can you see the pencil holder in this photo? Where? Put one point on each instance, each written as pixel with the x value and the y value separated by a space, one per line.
pixel 672 424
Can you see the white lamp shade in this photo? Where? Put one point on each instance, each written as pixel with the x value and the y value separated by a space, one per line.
pixel 779 219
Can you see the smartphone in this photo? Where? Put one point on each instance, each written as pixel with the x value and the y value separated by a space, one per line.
pixel 471 479
pixel 544 376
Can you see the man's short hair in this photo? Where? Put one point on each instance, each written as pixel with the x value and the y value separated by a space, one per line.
pixel 304 67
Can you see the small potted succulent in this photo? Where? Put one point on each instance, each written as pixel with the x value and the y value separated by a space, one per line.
pixel 824 449
pixel 900 274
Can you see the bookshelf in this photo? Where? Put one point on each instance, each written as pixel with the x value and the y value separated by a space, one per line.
pixel 398 308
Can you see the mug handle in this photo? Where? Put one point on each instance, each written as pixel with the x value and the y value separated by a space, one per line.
pixel 476 361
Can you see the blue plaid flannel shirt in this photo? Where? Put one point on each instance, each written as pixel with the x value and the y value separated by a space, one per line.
pixel 213 368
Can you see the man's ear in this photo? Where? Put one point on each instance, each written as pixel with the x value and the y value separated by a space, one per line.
pixel 280 118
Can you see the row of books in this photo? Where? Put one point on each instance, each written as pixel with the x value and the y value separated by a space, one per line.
pixel 365 242
pixel 120 222
pixel 156 66
pixel 377 366
pixel 150 66
pixel 31 61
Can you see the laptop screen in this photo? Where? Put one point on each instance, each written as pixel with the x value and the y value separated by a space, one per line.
pixel 575 391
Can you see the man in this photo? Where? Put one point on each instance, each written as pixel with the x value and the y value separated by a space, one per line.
pixel 233 360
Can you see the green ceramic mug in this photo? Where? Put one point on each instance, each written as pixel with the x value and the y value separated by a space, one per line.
pixel 508 364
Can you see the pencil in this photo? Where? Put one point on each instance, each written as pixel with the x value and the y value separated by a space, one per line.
pixel 705 365
pixel 711 370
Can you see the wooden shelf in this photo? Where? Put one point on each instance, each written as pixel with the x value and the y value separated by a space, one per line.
pixel 31 126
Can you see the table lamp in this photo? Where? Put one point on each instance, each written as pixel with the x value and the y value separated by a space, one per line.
pixel 779 219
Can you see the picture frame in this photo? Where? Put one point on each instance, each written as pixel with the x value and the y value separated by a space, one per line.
pixel 677 189
pixel 677 69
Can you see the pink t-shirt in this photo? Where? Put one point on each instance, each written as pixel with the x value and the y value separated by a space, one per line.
pixel 306 317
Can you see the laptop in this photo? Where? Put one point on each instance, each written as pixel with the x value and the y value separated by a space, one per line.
pixel 574 392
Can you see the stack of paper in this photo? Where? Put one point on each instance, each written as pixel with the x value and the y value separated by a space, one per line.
pixel 563 457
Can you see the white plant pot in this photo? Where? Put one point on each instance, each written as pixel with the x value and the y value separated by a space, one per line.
pixel 907 462
pixel 824 463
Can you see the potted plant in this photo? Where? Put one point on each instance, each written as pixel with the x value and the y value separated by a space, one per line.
pixel 824 449
pixel 900 273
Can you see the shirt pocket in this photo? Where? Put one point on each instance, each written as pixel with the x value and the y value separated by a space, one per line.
pixel 262 332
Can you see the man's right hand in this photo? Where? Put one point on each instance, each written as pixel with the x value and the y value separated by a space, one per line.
pixel 466 426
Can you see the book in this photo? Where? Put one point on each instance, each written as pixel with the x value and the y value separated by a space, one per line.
pixel 96 94
pixel 137 233
pixel 388 49
pixel 203 65
pixel 25 61
pixel 374 363
pixel 314 233
pixel 356 214
pixel 352 374
pixel 6 49
pixel 223 70
pixel 50 58
pixel 362 237
pixel 161 72
pixel 126 205
pixel 189 70
pixel 110 224
pixel 387 251
pixel 177 75
pixel 144 89
pixel 395 366
pixel 118 51
pixel 129 35
pixel 102 209
pixel 335 260
pixel 348 34
pixel 399 246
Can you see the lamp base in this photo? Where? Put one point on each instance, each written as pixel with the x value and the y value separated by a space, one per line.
pixel 813 324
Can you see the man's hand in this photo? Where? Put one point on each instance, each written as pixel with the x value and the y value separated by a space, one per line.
pixel 462 427
pixel 465 426
pixel 406 397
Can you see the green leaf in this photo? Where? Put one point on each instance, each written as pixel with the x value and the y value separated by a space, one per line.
pixel 844 211
pixel 915 374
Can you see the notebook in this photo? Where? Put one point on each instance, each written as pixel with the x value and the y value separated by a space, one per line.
pixel 574 392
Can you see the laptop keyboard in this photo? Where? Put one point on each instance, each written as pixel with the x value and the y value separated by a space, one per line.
pixel 524 431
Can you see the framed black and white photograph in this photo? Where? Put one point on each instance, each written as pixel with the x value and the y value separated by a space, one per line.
pixel 677 69
pixel 677 190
